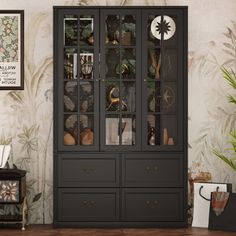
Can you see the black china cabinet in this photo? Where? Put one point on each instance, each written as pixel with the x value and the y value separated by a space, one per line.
pixel 120 116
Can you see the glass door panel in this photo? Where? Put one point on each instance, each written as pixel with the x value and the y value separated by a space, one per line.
pixel 169 130
pixel 70 30
pixel 112 129
pixel 170 33
pixel 168 98
pixel 128 129
pixel 154 63
pixel 86 132
pixel 70 63
pixel 112 89
pixel 128 33
pixel 112 27
pixel 70 96
pixel 86 98
pixel 86 23
pixel 128 95
pixel 153 96
pixel 160 82
pixel 80 85
pixel 170 65
pixel 112 67
pixel 119 78
pixel 153 130
pixel 128 63
pixel 70 129
pixel 86 64
pixel 153 31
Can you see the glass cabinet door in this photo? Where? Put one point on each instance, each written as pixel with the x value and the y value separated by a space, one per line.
pixel 79 117
pixel 162 75
pixel 120 41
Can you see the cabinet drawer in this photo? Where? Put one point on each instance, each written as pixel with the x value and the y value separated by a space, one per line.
pixel 153 205
pixel 88 204
pixel 88 170
pixel 153 170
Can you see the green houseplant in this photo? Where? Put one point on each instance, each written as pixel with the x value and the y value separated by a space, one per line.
pixel 230 77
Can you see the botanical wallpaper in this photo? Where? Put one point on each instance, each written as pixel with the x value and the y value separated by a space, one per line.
pixel 26 116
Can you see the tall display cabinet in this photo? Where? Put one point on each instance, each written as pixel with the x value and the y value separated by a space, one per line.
pixel 120 116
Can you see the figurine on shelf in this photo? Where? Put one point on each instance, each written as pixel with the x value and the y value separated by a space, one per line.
pixel 86 137
pixel 115 100
pixel 151 136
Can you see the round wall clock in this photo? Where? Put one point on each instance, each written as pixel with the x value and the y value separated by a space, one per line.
pixel 166 27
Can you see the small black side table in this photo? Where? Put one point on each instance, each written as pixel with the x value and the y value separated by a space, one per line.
pixel 13 191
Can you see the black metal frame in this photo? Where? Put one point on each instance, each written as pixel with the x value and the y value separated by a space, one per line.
pixel 21 56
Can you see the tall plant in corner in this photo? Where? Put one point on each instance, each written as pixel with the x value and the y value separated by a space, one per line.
pixel 230 77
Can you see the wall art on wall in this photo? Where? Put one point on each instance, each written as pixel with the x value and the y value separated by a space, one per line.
pixel 11 49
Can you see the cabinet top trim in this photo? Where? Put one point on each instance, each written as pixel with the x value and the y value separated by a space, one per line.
pixel 120 7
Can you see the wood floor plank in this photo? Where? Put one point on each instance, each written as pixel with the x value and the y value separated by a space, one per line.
pixel 48 230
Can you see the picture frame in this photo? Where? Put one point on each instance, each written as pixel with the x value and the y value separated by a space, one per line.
pixel 12 50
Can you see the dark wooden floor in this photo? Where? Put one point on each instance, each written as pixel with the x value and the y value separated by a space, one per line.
pixel 48 230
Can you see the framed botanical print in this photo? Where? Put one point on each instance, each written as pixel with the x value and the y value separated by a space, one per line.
pixel 11 49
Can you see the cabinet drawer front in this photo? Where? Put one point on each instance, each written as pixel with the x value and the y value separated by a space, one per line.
pixel 153 205
pixel 88 170
pixel 150 170
pixel 88 204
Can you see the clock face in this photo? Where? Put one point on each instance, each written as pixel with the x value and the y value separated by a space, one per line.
pixel 166 27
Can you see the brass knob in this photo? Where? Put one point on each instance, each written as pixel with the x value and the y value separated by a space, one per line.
pixel 147 202
pixel 92 203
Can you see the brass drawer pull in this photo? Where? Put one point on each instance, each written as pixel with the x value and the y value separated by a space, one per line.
pixel 149 169
pixel 89 170
pixel 148 202
pixel 92 203
pixel 151 204
pixel 89 204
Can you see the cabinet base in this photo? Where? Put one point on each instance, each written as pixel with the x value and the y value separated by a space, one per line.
pixel 120 224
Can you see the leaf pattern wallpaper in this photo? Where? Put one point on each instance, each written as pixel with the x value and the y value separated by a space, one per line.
pixel 26 116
